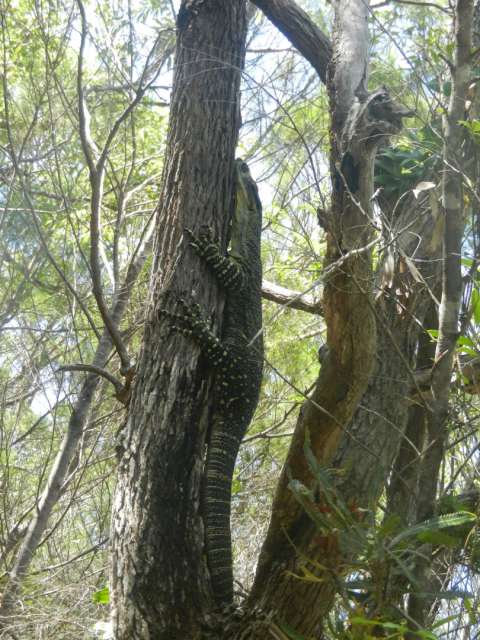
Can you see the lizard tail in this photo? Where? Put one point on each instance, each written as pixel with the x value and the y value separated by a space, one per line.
pixel 221 458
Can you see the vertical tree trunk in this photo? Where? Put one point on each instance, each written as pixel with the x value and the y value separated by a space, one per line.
pixel 351 340
pixel 450 305
pixel 160 584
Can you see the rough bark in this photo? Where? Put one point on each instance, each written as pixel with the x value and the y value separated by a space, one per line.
pixel 369 443
pixel 160 584
pixel 350 337
pixel 403 488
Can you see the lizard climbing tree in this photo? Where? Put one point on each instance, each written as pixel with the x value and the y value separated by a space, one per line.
pixel 157 522
pixel 237 361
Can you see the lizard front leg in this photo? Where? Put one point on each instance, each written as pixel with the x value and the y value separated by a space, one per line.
pixel 227 270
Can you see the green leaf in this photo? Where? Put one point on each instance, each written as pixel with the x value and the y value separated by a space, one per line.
pixel 465 340
pixel 391 524
pixel 434 524
pixel 446 620
pixel 236 486
pixel 471 610
pixel 439 538
pixel 476 306
pixel 102 596
pixel 369 622
pixel 428 635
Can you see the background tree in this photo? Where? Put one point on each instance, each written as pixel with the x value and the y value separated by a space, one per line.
pixel 376 449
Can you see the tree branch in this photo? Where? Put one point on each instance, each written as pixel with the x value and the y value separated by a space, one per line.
pixel 289 298
pixel 301 31
pixel 99 371
pixel 422 598
pixel 97 174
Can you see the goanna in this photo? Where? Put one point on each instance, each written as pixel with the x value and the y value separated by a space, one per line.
pixel 238 361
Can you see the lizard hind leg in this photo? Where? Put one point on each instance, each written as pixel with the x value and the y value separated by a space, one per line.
pixel 191 323
pixel 188 321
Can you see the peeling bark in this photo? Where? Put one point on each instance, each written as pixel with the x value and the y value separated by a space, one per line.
pixel 351 334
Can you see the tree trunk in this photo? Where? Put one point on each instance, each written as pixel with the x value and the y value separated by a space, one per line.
pixel 350 336
pixel 160 583
pixel 355 419
pixel 449 309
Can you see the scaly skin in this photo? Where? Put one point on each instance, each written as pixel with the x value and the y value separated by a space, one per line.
pixel 238 361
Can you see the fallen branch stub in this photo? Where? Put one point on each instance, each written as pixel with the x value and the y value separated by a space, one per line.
pixel 369 124
pixel 372 119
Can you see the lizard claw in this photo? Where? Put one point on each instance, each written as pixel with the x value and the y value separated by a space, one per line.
pixel 203 243
pixel 206 234
pixel 193 240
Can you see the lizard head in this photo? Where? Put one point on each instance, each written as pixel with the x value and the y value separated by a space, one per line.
pixel 246 189
pixel 247 215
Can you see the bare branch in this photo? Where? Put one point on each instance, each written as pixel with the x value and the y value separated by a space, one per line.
pixel 289 298
pixel 97 173
pixel 90 368
pixel 301 31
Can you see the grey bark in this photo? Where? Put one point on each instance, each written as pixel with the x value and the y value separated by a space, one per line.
pixel 303 33
pixel 160 585
pixel 292 299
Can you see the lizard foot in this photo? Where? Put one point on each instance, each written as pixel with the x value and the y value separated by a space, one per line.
pixel 189 321
pixel 203 242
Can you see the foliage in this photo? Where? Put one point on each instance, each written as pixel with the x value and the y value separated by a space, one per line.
pixel 49 317
pixel 368 558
